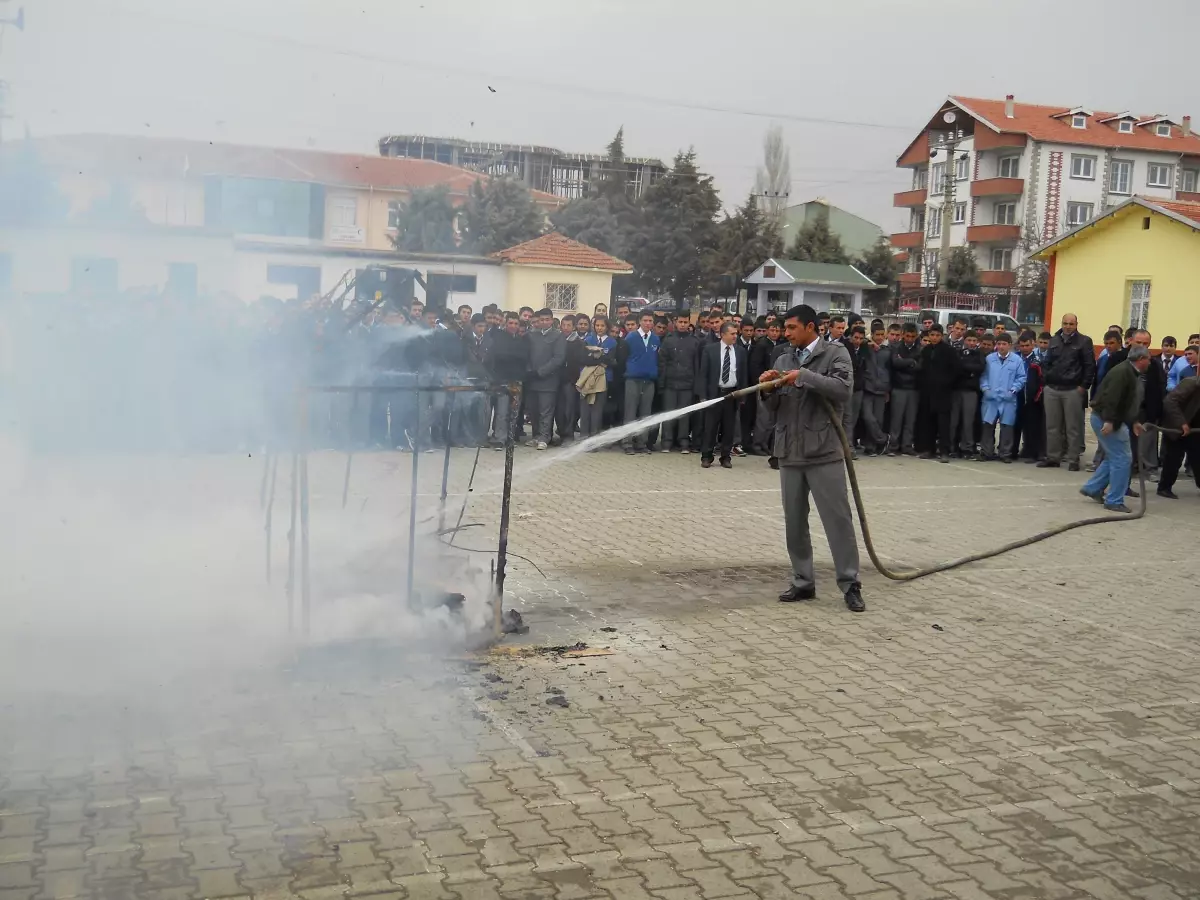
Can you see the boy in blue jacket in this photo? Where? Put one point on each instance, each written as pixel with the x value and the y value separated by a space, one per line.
pixel 641 375
pixel 1002 380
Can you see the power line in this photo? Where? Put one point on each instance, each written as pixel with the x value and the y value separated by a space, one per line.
pixel 559 87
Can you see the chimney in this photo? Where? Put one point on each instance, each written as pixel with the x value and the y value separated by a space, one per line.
pixel 1187 126
pixel 1008 107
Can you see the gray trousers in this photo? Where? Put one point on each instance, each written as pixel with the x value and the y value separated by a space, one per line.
pixel 987 440
pixel 591 416
pixel 541 404
pixel 1064 421
pixel 963 405
pixel 904 418
pixel 1148 450
pixel 500 407
pixel 873 408
pixel 567 410
pixel 850 414
pixel 677 429
pixel 639 396
pixel 827 484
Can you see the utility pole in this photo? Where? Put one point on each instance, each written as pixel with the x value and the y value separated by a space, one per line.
pixel 950 144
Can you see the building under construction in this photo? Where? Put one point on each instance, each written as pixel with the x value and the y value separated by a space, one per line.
pixel 566 175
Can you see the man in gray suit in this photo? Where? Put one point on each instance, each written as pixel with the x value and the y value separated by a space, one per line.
pixel 811 459
pixel 547 352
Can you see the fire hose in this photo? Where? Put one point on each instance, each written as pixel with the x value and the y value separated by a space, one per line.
pixel 913 574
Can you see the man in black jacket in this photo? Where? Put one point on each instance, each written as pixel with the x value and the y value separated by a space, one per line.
pixel 566 410
pixel 966 395
pixel 939 379
pixel 1068 369
pixel 723 369
pixel 747 406
pixel 508 361
pixel 906 367
pixel 678 361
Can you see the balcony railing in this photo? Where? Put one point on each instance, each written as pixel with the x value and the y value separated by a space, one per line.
pixel 998 187
pixel 910 198
pixel 993 234
pixel 909 280
pixel 1002 278
pixel 908 239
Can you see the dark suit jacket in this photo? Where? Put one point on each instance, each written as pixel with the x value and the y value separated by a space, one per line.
pixel 711 358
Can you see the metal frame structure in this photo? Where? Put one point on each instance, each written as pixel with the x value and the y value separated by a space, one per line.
pixel 299 496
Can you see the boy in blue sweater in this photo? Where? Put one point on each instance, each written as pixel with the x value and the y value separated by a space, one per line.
pixel 641 375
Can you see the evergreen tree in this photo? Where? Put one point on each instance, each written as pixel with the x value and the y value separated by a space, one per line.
pixel 672 253
pixel 815 242
pixel 747 239
pixel 879 263
pixel 962 272
pixel 500 216
pixel 612 182
pixel 426 222
pixel 591 221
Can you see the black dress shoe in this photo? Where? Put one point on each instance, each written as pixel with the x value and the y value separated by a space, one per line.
pixel 1130 492
pixel 1047 464
pixel 773 462
pixel 1168 494
pixel 793 594
pixel 706 463
pixel 726 464
pixel 854 598
pixel 1073 467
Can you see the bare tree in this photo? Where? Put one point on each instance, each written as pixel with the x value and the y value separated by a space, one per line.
pixel 774 177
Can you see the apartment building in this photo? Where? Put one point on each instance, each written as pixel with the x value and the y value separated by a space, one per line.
pixel 1021 174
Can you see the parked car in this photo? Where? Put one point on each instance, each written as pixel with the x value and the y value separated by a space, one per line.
pixel 974 318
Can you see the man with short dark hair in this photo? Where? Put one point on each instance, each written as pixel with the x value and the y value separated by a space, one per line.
pixel 723 370
pixel 877 387
pixel 939 377
pixel 547 353
pixel 906 369
pixel 958 331
pixel 1114 417
pixel 678 362
pixel 1069 369
pixel 641 376
pixel 508 360
pixel 1181 413
pixel 965 403
pixel 819 376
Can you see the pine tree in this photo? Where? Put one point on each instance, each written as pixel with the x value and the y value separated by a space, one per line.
pixel 590 220
pixel 672 253
pixel 815 242
pixel 613 177
pixel 962 271
pixel 500 216
pixel 747 239
pixel 425 223
pixel 879 263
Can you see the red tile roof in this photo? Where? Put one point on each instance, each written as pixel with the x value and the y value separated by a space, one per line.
pixel 1039 123
pixel 121 155
pixel 554 249
pixel 1180 208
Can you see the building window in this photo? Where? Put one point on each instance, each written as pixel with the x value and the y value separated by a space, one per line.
pixel 563 297
pixel 914 262
pixel 916 221
pixel 962 168
pixel 960 213
pixel 1083 166
pixel 394 208
pixel 1120 179
pixel 1010 166
pixel 182 280
pixel 768 271
pixel 931 263
pixel 1078 213
pixel 1079 121
pixel 1188 182
pixel 935 222
pixel 1139 304
pixel 345 211
pixel 1158 175
pixel 1002 259
pixel 1005 214
pixel 1125 126
pixel 937 177
pixel 920 179
pixel 1163 130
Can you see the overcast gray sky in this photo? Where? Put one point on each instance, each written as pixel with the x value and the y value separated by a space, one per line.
pixel 338 74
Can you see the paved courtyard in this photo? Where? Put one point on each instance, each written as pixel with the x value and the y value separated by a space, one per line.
pixel 1028 727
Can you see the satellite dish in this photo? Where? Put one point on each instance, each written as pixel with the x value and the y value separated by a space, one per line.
pixel 949 117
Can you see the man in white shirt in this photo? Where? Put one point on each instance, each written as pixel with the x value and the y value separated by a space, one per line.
pixel 723 369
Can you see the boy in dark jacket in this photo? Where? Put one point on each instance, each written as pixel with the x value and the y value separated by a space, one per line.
pixel 877 386
pixel 1031 419
pixel 678 359
pixel 906 367
pixel 939 377
pixel 965 403
pixel 508 361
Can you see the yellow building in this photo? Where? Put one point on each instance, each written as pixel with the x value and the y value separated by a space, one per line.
pixel 1136 265
pixel 555 271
